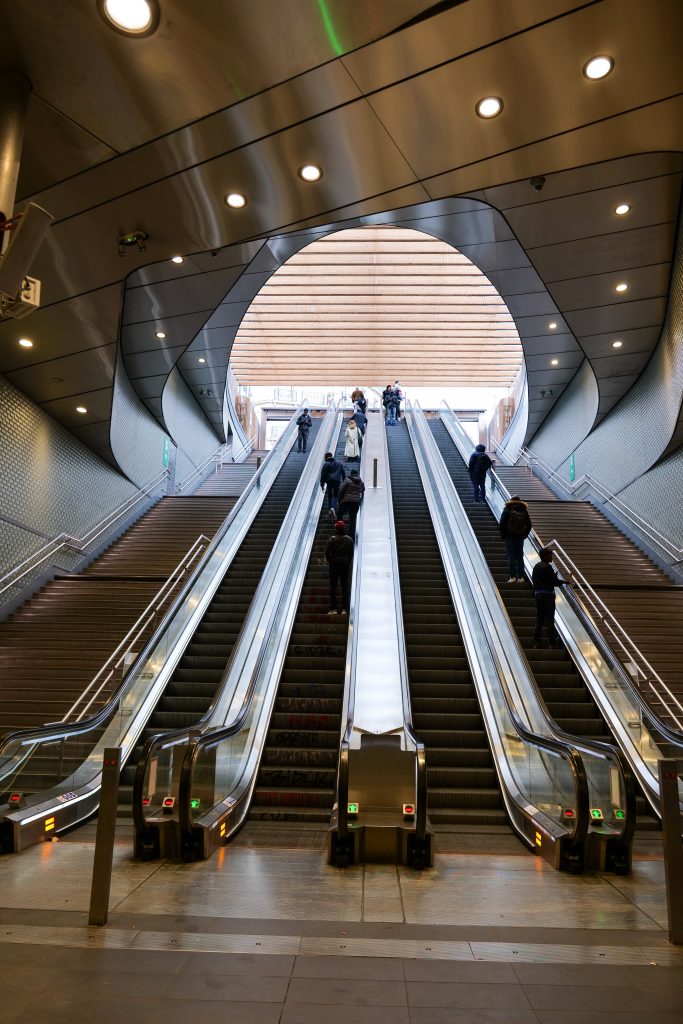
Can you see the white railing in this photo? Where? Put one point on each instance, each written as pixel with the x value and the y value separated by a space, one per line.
pixel 216 456
pixel 622 510
pixel 244 449
pixel 78 544
pixel 120 658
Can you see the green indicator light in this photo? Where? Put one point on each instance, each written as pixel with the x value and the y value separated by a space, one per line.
pixel 353 808
pixel 194 803
pixel 596 813
pixel 619 814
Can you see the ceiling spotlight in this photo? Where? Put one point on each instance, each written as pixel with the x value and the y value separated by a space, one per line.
pixel 130 17
pixel 489 107
pixel 201 359
pixel 617 344
pixel 621 209
pixel 552 326
pixel 81 408
pixel 25 342
pixel 598 67
pixel 310 172
pixel 176 259
pixel 236 200
pixel 554 362
pixel 160 335
pixel 621 287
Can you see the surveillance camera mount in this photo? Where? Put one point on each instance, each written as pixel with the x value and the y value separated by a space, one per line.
pixel 130 239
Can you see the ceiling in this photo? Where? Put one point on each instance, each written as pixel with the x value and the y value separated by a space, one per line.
pixel 120 136
pixel 368 303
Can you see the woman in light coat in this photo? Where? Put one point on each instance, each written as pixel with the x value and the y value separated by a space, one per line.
pixel 352 446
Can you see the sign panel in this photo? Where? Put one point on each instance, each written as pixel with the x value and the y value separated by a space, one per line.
pixel 572 470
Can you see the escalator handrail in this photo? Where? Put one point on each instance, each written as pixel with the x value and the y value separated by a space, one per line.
pixel 204 740
pixel 671 735
pixel 554 745
pixel 53 732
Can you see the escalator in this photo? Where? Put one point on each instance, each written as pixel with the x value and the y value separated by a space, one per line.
pixel 462 780
pixel 568 699
pixel 194 683
pixel 297 774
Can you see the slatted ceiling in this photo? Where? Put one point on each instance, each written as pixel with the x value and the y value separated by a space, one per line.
pixel 368 303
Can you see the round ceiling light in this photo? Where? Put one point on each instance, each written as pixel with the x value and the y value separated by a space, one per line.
pixel 131 17
pixel 621 209
pixel 82 409
pixel 617 344
pixel 25 342
pixel 598 67
pixel 201 359
pixel 176 259
pixel 489 106
pixel 552 326
pixel 310 172
pixel 621 287
pixel 554 362
pixel 236 200
pixel 160 335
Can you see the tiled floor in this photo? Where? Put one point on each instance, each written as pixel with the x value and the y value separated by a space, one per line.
pixel 268 936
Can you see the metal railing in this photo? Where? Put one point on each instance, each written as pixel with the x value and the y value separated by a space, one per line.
pixel 79 544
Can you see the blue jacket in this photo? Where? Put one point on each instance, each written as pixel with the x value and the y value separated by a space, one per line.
pixel 332 472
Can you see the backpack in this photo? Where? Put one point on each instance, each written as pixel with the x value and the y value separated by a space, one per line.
pixel 516 524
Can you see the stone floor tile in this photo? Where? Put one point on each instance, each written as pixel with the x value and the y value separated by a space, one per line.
pixel 459 971
pixel 233 988
pixel 236 964
pixel 466 995
pixel 606 975
pixel 323 1013
pixel 224 1011
pixel 589 997
pixel 333 992
pixel 471 1015
pixel 352 968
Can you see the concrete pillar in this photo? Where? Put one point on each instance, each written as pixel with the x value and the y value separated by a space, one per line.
pixel 15 89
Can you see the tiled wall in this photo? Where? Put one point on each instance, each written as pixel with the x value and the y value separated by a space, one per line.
pixel 188 426
pixel 137 440
pixel 657 496
pixel 570 420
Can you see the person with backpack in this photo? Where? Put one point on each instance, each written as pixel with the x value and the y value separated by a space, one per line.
pixel 478 467
pixel 515 526
pixel 332 474
pixel 359 400
pixel 339 556
pixel 304 423
pixel 386 395
pixel 350 496
pixel 544 579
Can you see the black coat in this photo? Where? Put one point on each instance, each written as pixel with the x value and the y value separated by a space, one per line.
pixel 505 519
pixel 304 423
pixel 332 472
pixel 478 466
pixel 544 579
pixel 339 551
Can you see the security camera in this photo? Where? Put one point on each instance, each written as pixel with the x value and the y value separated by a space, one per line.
pixel 537 183
pixel 19 293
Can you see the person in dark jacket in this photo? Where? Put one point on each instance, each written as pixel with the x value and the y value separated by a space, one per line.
pixel 386 395
pixel 544 580
pixel 478 467
pixel 361 422
pixel 332 474
pixel 515 526
pixel 350 496
pixel 339 556
pixel 304 423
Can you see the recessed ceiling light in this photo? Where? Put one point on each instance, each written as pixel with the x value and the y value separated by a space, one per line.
pixel 25 342
pixel 160 335
pixel 201 359
pixel 598 67
pixel 621 209
pixel 131 17
pixel 617 344
pixel 621 287
pixel 81 408
pixel 554 362
pixel 236 200
pixel 310 172
pixel 552 326
pixel 489 106
pixel 176 259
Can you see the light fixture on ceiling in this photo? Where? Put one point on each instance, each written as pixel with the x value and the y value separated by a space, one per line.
pixel 621 287
pixel 617 344
pixel 25 342
pixel 201 359
pixel 554 362
pixel 488 107
pixel 598 67
pixel 160 335
pixel 82 409
pixel 176 259
pixel 131 17
pixel 310 172
pixel 236 200
pixel 552 326
pixel 622 209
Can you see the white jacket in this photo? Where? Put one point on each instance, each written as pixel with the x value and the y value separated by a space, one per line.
pixel 352 447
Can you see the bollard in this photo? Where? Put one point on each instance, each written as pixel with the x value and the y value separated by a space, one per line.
pixel 374 472
pixel 673 847
pixel 104 841
pixel 258 466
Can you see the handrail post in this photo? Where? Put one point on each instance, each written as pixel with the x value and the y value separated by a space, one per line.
pixel 673 847
pixel 106 832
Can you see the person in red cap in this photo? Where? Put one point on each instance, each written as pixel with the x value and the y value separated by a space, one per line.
pixel 339 556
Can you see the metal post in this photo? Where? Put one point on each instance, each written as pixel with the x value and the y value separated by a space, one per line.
pixel 15 89
pixel 374 472
pixel 673 847
pixel 104 841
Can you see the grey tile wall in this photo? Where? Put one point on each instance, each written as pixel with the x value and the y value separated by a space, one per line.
pixel 187 424
pixel 570 421
pixel 137 440
pixel 657 496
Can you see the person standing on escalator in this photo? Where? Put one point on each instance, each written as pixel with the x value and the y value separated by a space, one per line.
pixel 544 579
pixel 515 527
pixel 352 442
pixel 350 496
pixel 478 466
pixel 333 474
pixel 304 423
pixel 339 557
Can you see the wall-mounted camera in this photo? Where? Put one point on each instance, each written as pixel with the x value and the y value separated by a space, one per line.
pixel 537 183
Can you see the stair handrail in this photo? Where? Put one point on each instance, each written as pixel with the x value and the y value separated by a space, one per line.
pixel 243 451
pixel 621 508
pixel 67 540
pixel 215 456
